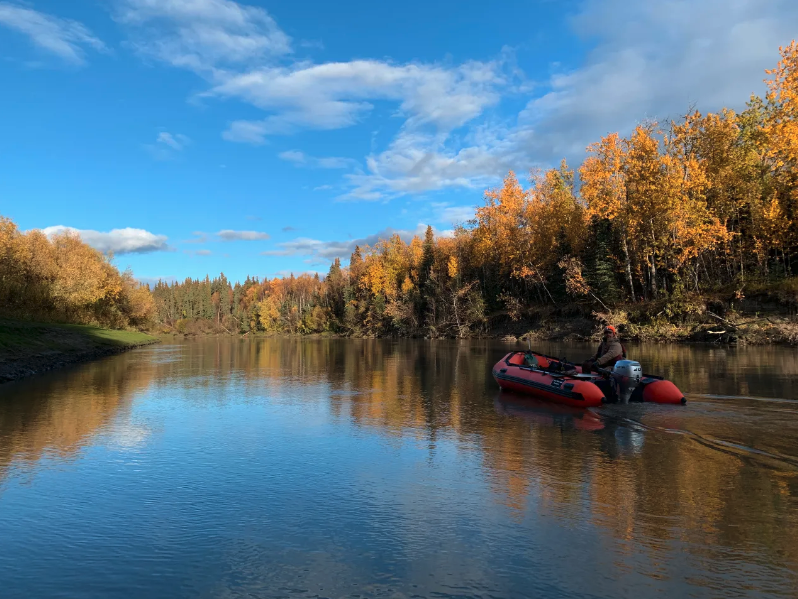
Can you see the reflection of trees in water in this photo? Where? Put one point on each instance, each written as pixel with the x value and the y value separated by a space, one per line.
pixel 767 371
pixel 647 485
pixel 60 412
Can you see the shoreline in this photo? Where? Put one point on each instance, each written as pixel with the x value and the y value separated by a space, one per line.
pixel 28 349
pixel 751 331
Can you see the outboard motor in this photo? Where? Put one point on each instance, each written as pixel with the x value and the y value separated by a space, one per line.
pixel 626 375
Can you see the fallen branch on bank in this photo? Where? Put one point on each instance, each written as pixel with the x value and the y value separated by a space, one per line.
pixel 728 322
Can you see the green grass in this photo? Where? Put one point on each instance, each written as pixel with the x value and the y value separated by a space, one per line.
pixel 111 337
pixel 31 337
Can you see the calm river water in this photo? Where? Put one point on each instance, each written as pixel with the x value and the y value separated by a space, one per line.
pixel 347 468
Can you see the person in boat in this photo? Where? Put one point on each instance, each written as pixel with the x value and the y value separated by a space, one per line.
pixel 609 351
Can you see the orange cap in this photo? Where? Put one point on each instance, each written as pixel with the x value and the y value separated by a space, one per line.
pixel 610 328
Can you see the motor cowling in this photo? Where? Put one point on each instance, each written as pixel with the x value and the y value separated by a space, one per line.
pixel 626 375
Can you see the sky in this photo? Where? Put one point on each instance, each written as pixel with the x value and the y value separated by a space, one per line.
pixel 194 137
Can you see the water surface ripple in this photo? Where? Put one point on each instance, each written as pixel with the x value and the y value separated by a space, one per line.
pixel 362 468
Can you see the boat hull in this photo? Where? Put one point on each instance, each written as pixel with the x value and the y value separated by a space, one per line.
pixel 513 374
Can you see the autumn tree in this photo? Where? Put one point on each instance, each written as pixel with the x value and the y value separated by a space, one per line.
pixel 604 189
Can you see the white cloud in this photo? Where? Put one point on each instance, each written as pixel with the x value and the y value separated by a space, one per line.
pixel 336 95
pixel 302 159
pixel 245 132
pixel 648 59
pixel 202 35
pixel 416 163
pixel 651 60
pixel 63 37
pixel 434 98
pixel 329 250
pixel 655 60
pixel 228 235
pixel 118 241
pixel 177 142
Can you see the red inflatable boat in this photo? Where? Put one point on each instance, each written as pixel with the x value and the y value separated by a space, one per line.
pixel 551 379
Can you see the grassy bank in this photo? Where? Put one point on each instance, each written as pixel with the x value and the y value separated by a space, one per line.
pixel 28 348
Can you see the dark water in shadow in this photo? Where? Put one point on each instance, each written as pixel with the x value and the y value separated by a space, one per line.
pixel 344 468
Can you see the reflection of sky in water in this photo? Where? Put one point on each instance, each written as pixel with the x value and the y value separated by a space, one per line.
pixel 344 468
pixel 127 435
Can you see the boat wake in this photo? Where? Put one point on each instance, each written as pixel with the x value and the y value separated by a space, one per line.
pixel 737 449
pixel 751 397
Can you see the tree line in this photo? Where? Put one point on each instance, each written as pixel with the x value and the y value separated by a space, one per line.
pixel 703 204
pixel 683 208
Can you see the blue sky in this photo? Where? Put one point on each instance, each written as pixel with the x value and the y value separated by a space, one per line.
pixel 260 137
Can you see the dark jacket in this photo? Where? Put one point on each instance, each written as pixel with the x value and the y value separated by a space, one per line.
pixel 609 352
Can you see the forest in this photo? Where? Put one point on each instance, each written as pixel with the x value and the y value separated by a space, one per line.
pixel 657 226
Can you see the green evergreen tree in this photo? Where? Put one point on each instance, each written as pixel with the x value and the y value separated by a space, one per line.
pixel 601 270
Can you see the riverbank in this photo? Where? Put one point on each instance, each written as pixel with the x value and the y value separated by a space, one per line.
pixel 730 329
pixel 747 331
pixel 28 348
pixel 690 320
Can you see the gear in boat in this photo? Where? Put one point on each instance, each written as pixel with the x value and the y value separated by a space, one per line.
pixel 557 380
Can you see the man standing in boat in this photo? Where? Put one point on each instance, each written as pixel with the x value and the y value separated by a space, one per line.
pixel 609 351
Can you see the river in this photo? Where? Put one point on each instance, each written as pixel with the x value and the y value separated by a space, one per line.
pixel 369 468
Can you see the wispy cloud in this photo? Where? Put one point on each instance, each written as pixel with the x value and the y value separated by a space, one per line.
pixel 229 235
pixel 118 241
pixel 199 237
pixel 199 252
pixel 418 162
pixel 202 35
pixel 301 159
pixel 337 95
pixel 177 141
pixel 288 228
pixel 329 250
pixel 65 38
pixel 168 145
